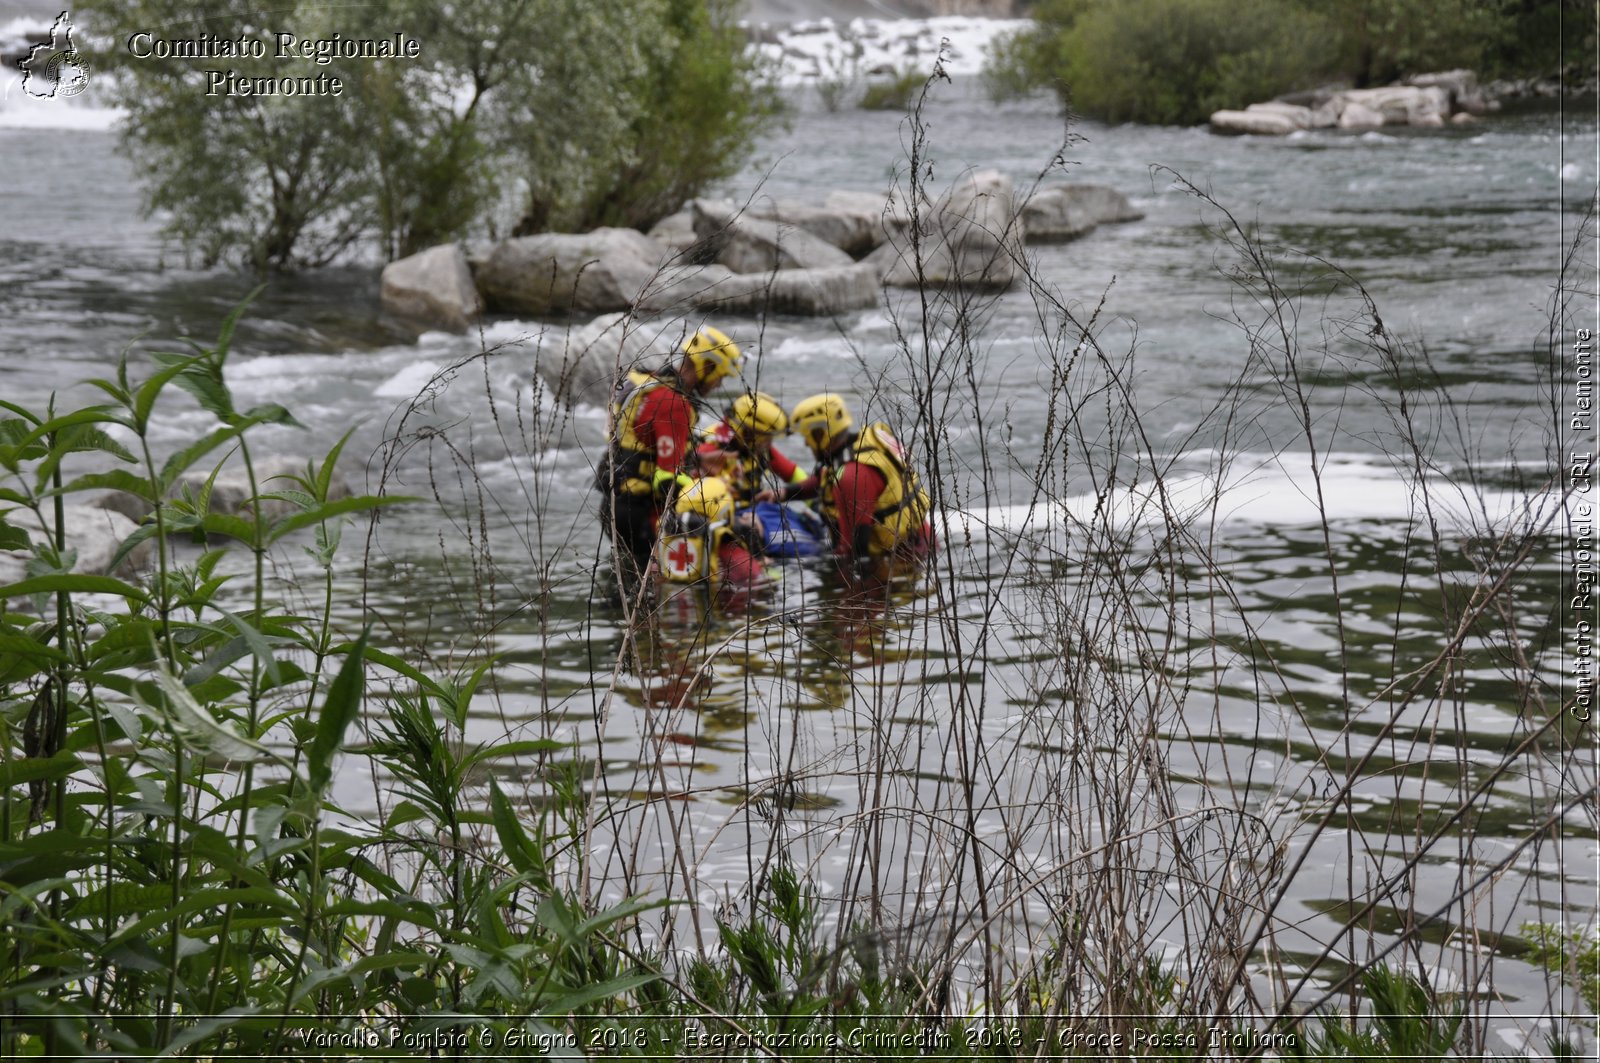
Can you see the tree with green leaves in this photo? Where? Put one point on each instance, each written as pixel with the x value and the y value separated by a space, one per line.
pixel 531 115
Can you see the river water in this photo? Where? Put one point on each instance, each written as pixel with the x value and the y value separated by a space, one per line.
pixel 1180 653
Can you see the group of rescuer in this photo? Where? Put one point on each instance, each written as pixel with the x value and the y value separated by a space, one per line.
pixel 680 504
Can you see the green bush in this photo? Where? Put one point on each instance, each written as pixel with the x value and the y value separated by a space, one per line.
pixel 893 93
pixel 174 878
pixel 1165 61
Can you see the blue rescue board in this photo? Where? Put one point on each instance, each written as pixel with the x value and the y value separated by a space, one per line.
pixel 790 531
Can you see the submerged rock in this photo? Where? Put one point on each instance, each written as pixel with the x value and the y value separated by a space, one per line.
pixel 432 287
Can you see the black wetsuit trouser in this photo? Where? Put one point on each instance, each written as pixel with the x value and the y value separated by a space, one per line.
pixel 628 521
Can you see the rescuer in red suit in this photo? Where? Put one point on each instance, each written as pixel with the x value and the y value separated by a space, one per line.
pixel 651 419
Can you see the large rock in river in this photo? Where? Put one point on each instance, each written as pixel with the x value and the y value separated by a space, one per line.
pixel 432 287
pixel 1064 212
pixel 749 244
pixel 971 239
pixel 558 273
pixel 852 222
pixel 94 534
pixel 579 365
pixel 808 292
pixel 1403 104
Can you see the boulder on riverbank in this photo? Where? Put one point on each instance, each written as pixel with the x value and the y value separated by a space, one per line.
pixel 432 287
pixel 1058 213
pixel 559 273
pixel 1425 101
pixel 971 239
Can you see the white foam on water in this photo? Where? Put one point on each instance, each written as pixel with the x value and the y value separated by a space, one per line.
pixel 823 49
pixel 408 382
pixel 1275 491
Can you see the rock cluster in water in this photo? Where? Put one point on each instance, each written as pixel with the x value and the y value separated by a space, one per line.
pixel 776 256
pixel 1426 100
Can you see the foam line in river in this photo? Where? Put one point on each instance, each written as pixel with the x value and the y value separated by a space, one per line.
pixel 1280 490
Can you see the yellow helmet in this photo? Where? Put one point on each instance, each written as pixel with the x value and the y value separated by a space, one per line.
pixel 821 420
pixel 709 498
pixel 756 416
pixel 713 355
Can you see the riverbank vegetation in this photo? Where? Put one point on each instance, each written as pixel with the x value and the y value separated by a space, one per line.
pixel 538 115
pixel 1177 61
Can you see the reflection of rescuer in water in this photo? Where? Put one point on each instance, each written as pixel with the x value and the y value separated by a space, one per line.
pixel 866 488
pixel 651 418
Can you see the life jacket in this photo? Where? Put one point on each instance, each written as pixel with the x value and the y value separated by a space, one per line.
pixel 902 508
pixel 630 463
pixel 690 556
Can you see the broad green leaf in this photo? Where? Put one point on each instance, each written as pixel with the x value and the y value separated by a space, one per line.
pixel 329 510
pixel 614 987
pixel 140 535
pixel 113 480
pixel 256 641
pixel 340 708
pixel 198 727
pixel 23 646
pixel 403 813
pixel 217 660
pixel 124 898
pixel 37 769
pixel 72 583
pixel 179 462
pixel 519 849
pixel 617 913
pixel 144 400
pixel 202 379
pixel 403 667
pixel 271 413
pixel 200 901
pixel 324 477
pixel 13 537
pixel 225 524
pixel 513 749
pixel 86 416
